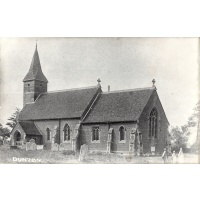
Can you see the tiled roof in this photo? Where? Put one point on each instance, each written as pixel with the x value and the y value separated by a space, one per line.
pixel 35 71
pixel 118 106
pixel 30 128
pixel 61 104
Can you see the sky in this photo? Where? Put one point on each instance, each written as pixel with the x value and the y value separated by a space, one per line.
pixel 122 63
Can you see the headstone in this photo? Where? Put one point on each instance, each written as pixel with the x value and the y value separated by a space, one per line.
pixel 64 146
pixel 83 152
pixel 55 147
pixel 40 147
pixel 33 146
pixel 28 146
pixel 32 141
pixel 23 146
pixel 6 140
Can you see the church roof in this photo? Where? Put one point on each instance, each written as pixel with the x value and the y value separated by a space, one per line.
pixel 35 71
pixel 119 106
pixel 30 128
pixel 61 104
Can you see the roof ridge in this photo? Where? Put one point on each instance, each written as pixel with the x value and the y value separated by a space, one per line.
pixel 136 89
pixel 72 89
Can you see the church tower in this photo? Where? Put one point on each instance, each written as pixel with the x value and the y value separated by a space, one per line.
pixel 35 82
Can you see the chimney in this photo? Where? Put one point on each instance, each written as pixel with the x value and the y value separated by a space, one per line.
pixel 108 88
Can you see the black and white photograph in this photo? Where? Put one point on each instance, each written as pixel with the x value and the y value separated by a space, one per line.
pixel 99 100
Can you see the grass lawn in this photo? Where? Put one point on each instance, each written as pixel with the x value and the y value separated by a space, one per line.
pixel 8 155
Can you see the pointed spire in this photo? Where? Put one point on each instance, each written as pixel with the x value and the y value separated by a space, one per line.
pixel 35 71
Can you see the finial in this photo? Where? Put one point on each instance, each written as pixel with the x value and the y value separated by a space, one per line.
pixel 99 81
pixel 153 81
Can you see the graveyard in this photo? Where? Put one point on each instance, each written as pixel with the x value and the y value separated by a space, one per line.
pixel 22 156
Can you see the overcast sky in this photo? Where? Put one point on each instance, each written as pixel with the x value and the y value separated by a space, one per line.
pixel 122 63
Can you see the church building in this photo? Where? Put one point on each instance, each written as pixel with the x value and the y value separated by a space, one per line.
pixel 114 121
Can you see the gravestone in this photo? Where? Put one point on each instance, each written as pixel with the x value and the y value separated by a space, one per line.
pixel 32 141
pixel 63 146
pixel 6 140
pixel 23 146
pixel 28 146
pixel 40 147
pixel 33 146
pixel 55 147
pixel 83 152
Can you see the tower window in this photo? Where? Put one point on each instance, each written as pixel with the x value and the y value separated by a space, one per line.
pixel 28 88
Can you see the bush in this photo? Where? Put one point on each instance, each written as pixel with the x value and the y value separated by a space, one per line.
pixel 68 152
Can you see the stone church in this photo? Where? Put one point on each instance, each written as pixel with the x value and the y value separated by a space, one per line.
pixel 113 121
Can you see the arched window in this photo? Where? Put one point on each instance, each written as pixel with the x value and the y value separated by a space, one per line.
pixel 48 133
pixel 66 132
pixel 153 123
pixel 95 134
pixel 121 133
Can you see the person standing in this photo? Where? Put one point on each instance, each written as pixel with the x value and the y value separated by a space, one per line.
pixel 165 156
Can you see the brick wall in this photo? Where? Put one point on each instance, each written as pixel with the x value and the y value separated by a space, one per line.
pixel 53 125
pixel 143 125
pixel 32 89
pixel 117 146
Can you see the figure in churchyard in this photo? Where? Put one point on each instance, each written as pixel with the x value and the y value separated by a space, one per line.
pixel 165 156
pixel 174 157
pixel 180 156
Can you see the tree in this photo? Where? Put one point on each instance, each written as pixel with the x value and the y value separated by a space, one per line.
pixel 195 118
pixel 14 118
pixel 179 137
pixel 193 121
pixel 4 131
